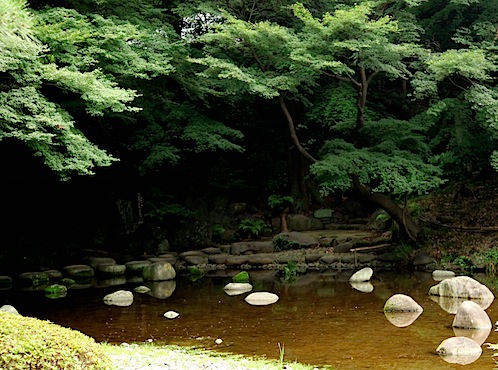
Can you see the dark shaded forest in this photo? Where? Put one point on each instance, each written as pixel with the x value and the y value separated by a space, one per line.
pixel 126 125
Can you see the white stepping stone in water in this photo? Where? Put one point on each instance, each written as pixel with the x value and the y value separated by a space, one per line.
pixel 122 298
pixel 261 298
pixel 363 275
pixel 237 288
pixel 171 315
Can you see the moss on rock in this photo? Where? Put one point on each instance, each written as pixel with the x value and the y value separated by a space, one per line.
pixel 29 343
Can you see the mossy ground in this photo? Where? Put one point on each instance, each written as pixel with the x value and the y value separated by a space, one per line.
pixel 29 343
pixel 151 356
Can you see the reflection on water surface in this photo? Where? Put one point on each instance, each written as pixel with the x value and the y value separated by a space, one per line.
pixel 320 319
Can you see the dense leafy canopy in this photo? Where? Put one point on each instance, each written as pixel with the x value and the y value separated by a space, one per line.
pixel 230 96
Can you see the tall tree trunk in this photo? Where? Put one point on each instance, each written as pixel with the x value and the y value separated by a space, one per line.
pixel 407 224
pixel 297 177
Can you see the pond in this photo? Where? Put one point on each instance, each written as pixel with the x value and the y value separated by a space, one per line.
pixel 319 319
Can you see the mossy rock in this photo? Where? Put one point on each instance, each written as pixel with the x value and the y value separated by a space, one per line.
pixel 29 343
pixel 241 277
pixel 55 291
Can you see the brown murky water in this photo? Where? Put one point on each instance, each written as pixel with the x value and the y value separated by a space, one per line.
pixel 319 319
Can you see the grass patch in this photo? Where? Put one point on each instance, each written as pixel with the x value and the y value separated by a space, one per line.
pixel 135 356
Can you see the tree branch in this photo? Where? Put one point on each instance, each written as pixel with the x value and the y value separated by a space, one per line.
pixel 292 131
pixel 341 78
pixel 258 61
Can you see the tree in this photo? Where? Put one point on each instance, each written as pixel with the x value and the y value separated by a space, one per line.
pixel 27 112
pixel 352 44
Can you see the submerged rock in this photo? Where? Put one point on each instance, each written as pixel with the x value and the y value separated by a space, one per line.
pixel 471 316
pixel 477 335
pixel 459 350
pixel 402 319
pixel 162 289
pixel 122 298
pixel 261 298
pixel 363 286
pixel 451 304
pixel 141 289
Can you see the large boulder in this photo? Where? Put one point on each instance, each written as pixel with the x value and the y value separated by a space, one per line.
pixel 459 350
pixel 462 287
pixel 159 271
pixel 402 303
pixel 471 316
pixel 299 222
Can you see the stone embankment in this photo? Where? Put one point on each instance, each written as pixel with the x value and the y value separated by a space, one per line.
pixel 312 250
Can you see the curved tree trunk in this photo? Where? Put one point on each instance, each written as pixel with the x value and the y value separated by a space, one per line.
pixel 407 224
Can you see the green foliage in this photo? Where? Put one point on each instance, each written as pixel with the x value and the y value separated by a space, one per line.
pixel 276 201
pixel 29 343
pixel 252 227
pixel 28 115
pixel 462 262
pixel 89 42
pixel 289 272
pixel 217 230
pixel 403 253
pixel 387 166
pixel 163 210
pixel 281 243
pixel 490 260
pixel 259 63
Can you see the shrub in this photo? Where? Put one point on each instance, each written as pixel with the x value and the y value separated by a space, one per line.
pixel 281 243
pixel 253 227
pixel 29 343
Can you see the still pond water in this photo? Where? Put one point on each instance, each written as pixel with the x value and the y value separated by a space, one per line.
pixel 320 319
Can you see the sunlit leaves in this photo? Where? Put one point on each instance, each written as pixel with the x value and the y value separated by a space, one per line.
pixel 17 42
pixel 117 47
pixel 28 116
pixel 472 64
pixel 387 168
